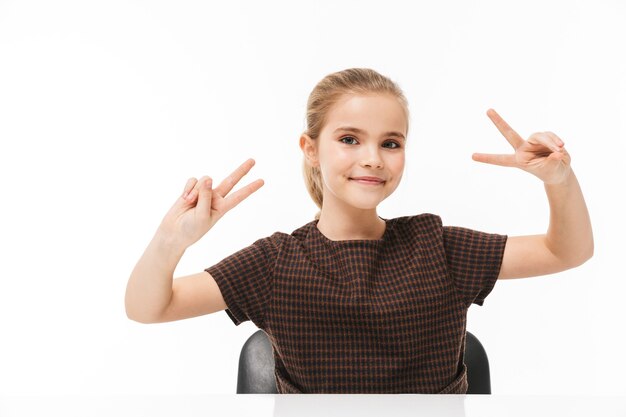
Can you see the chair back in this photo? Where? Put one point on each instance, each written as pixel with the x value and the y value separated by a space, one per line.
pixel 477 362
pixel 256 366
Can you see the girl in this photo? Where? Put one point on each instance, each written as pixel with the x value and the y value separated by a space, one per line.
pixel 353 302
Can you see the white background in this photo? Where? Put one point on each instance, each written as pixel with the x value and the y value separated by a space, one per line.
pixel 107 108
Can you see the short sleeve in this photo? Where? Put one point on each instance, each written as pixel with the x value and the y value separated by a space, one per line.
pixel 245 280
pixel 473 259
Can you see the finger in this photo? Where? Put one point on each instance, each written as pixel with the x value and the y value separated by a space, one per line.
pixel 547 139
pixel 229 182
pixel 191 182
pixel 495 159
pixel 193 194
pixel 557 140
pixel 507 131
pixel 240 195
pixel 556 156
pixel 204 197
pixel 186 198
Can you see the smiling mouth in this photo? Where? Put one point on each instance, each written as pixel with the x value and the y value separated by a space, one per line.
pixel 367 181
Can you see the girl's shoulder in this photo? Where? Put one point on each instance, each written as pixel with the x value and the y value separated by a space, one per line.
pixel 420 219
pixel 279 238
pixel 418 223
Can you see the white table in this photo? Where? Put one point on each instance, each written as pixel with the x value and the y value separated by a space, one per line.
pixel 323 405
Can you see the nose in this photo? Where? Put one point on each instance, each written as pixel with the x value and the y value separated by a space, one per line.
pixel 371 158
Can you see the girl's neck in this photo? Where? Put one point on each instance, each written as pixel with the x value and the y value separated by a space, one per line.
pixel 350 224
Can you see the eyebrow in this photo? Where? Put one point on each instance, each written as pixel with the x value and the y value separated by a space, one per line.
pixel 360 131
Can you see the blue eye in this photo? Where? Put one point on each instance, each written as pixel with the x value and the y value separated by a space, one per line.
pixel 347 137
pixel 349 140
pixel 395 144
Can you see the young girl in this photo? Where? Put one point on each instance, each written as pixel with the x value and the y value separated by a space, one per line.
pixel 353 302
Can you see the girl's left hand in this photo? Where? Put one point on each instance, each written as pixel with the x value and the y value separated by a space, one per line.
pixel 543 154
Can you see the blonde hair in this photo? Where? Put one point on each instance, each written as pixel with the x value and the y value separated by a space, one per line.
pixel 325 94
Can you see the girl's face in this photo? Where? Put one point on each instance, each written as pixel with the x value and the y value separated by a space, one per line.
pixel 360 150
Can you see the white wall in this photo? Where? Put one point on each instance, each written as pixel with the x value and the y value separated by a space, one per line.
pixel 107 108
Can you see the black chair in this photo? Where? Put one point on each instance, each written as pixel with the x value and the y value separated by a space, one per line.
pixel 256 366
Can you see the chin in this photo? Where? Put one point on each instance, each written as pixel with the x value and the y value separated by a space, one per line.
pixel 365 205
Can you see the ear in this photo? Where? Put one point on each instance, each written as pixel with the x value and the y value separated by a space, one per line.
pixel 309 148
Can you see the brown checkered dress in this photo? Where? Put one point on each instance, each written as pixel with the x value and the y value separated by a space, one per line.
pixel 364 316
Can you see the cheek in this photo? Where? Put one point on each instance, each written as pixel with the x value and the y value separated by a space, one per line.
pixel 343 158
pixel 334 167
pixel 396 163
pixel 336 159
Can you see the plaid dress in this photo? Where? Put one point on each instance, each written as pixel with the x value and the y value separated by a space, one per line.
pixel 364 316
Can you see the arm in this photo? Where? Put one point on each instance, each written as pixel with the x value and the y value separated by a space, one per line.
pixel 568 242
pixel 569 239
pixel 149 288
pixel 152 295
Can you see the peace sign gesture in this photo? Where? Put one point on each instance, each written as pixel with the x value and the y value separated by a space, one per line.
pixel 543 154
pixel 200 206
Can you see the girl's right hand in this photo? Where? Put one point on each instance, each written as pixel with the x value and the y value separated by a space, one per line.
pixel 200 206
